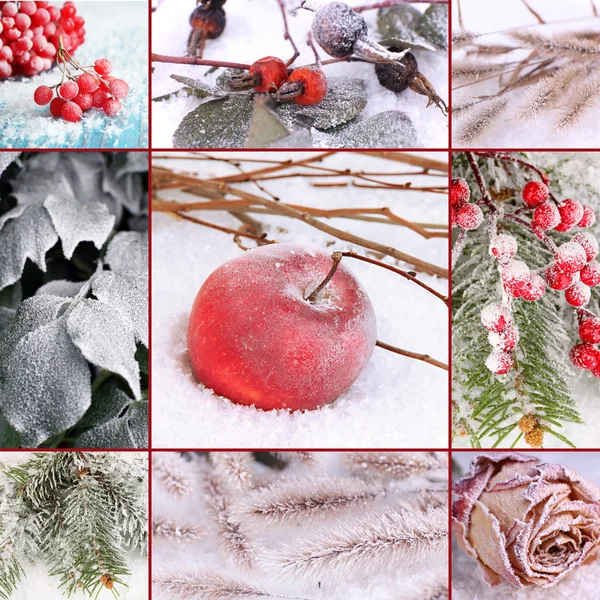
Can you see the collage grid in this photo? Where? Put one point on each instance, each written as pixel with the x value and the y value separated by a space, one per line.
pixel 260 395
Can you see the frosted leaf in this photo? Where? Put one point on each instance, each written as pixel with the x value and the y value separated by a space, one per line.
pixel 106 339
pixel 30 235
pixel 200 88
pixel 390 129
pixel 221 123
pixel 128 251
pixel 434 25
pixel 61 287
pixel 11 296
pixel 108 403
pixel 138 424
pixel 129 295
pixel 6 316
pixel 76 221
pixel 345 100
pixel 6 158
pixel 265 127
pixel 128 163
pixel 301 138
pixel 45 384
pixel 33 183
pixel 14 213
pixel 398 21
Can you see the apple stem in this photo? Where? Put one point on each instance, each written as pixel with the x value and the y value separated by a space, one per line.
pixel 336 257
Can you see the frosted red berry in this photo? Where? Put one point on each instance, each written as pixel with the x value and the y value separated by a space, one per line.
pixel 459 192
pixel 503 247
pixel 588 242
pixel 84 101
pixel 585 356
pixel 534 289
pixel 495 317
pixel 43 95
pixel 470 216
pixel 578 294
pixel 99 97
pixel 557 280
pixel 589 217
pixel 56 107
pixel 590 274
pixel 103 66
pixel 546 216
pixel 589 330
pixel 87 83
pixel 571 211
pixel 570 257
pixel 314 85
pixel 515 276
pixel 504 340
pixel 111 106
pixel 118 88
pixel 68 90
pixel 272 71
pixel 535 193
pixel 71 112
pixel 563 227
pixel 499 362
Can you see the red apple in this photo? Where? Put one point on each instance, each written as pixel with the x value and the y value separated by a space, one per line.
pixel 254 339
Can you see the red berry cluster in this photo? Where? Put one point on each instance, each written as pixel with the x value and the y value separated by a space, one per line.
pixel 30 33
pixel 93 88
pixel 503 336
pixel 462 213
pixel 304 85
pixel 587 354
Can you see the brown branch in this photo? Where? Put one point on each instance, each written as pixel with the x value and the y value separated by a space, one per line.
pixel 485 194
pixel 535 14
pixel 286 35
pixel 336 257
pixel 410 159
pixel 192 60
pixel 424 357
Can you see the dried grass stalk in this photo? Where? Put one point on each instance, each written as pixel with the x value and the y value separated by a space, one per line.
pixel 476 123
pixel 235 468
pixel 463 38
pixel 236 545
pixel 174 472
pixel 584 98
pixel 558 45
pixel 176 532
pixel 380 541
pixel 392 465
pixel 306 458
pixel 470 71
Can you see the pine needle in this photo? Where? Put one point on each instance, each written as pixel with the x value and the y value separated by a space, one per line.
pixel 380 541
pixel 392 465
pixel 306 499
pixel 476 124
pixel 236 545
pixel 584 99
pixel 174 531
pixel 235 468
pixel 174 472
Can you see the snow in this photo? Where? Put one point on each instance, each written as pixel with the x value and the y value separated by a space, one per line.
pixel 395 402
pixel 118 33
pixel 255 30
pixel 467 582
pixel 492 18
pixel 37 584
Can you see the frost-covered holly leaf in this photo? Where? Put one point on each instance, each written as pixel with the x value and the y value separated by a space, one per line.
pixel 221 123
pixel 106 339
pixel 77 221
pixel 45 383
pixel 61 287
pixel 29 235
pixel 345 100
pixel 129 295
pixel 390 129
pixel 128 251
pixel 265 127
pixel 201 88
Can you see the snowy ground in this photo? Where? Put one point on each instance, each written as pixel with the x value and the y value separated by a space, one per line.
pixel 490 18
pixel 395 403
pixel 402 583
pixel 37 584
pixel 467 580
pixel 117 30
pixel 247 37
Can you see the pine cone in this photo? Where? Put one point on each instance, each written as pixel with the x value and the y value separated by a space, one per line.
pixel 104 579
pixel 535 438
pixel 527 423
pixel 109 584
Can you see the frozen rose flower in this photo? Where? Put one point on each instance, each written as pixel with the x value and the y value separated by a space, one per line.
pixel 525 521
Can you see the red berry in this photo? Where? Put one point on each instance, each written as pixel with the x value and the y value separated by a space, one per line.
pixel 535 289
pixel 453 216
pixel 495 317
pixel 535 193
pixel 546 215
pixel 56 107
pixel 515 277
pixel 589 330
pixel 590 274
pixel 499 362
pixel 71 112
pixel 28 8
pixel 111 106
pixel 563 227
pixel 571 211
pixel 22 22
pixel 99 97
pixel 10 9
pixel 84 101
pixel 103 66
pixel 119 88
pixel 578 294
pixel 42 95
pixel 503 247
pixel 504 340
pixel 272 71
pixel 589 217
pixel 469 216
pixel 314 84
pixel 596 372
pixel 68 90
pixel 585 356
pixel 570 257
pixel 556 279
pixel 459 192
pixel 87 83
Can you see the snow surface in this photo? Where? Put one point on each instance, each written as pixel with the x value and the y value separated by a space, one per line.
pixel 491 18
pixel 395 403
pixel 402 583
pixel 467 579
pixel 247 37
pixel 37 584
pixel 119 33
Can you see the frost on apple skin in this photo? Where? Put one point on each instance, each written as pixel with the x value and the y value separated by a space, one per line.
pixel 254 339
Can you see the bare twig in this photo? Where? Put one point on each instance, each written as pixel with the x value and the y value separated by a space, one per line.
pixel 286 35
pixel 423 357
pixel 192 60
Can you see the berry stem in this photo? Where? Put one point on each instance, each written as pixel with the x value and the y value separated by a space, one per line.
pixel 336 257
pixel 286 34
pixel 192 60
pixel 548 241
pixel 459 246
pixel 485 194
